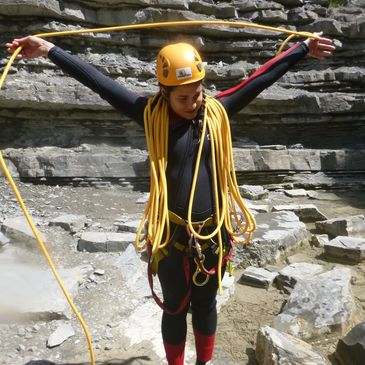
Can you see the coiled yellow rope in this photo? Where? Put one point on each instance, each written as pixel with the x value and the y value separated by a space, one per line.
pixel 156 208
pixel 226 192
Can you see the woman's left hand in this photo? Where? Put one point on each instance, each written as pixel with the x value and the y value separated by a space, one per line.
pixel 320 48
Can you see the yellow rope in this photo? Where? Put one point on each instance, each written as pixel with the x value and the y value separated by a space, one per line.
pixel 225 184
pixel 177 24
pixel 156 209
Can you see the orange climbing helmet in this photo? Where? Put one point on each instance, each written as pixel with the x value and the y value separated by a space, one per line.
pixel 179 64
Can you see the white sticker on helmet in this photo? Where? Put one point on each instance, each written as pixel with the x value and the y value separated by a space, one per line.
pixel 184 73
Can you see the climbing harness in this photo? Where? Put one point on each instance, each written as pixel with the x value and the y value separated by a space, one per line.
pixel 193 250
pixel 156 213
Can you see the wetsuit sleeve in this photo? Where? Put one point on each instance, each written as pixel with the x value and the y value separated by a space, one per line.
pixel 237 97
pixel 122 99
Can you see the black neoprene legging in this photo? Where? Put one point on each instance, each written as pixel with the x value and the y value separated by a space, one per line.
pixel 171 273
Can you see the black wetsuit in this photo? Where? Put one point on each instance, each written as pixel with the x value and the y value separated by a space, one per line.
pixel 183 145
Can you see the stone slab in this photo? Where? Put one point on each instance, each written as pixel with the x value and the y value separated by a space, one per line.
pixel 319 305
pixel 294 193
pixel 348 226
pixel 19 232
pixel 306 212
pixel 258 277
pixel 289 275
pixel 274 347
pixel 105 241
pixel 33 293
pixel 70 222
pixel 278 235
pixel 346 248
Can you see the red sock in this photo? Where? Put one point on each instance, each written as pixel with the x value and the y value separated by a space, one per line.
pixel 175 353
pixel 204 346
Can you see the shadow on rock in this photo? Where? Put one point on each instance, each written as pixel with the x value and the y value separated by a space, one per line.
pixel 251 356
pixel 336 260
pixel 131 361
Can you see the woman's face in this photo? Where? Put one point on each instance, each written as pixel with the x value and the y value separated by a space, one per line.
pixel 186 100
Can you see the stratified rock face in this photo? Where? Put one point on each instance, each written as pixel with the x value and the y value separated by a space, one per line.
pixel 318 105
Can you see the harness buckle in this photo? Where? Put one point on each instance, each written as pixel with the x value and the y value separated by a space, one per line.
pixel 190 242
pixel 198 248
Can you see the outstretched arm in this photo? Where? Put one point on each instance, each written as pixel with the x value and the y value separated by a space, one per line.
pixel 238 97
pixel 115 94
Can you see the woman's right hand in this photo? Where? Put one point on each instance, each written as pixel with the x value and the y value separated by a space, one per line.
pixel 32 47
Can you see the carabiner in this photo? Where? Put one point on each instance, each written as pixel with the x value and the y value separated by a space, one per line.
pixel 199 263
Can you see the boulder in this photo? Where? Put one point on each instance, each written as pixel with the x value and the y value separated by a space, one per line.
pixel 19 232
pixel 33 293
pixel 294 193
pixel 291 274
pixel 258 276
pixel 349 226
pixel 346 248
pixel 350 349
pixel 274 347
pixel 70 222
pixel 105 241
pixel 253 192
pixel 133 271
pixel 319 240
pixel 319 305
pixel 306 212
pixel 258 208
pixel 278 234
pixel 129 226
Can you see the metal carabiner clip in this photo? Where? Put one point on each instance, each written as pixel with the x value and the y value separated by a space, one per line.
pixel 199 271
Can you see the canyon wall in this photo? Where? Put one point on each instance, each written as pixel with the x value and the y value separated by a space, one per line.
pixel 313 119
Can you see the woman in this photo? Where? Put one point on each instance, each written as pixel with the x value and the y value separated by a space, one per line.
pixel 180 72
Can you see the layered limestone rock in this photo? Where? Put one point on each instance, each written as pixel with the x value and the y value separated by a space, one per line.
pixel 318 105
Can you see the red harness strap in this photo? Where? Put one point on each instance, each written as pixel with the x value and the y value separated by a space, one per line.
pixel 186 299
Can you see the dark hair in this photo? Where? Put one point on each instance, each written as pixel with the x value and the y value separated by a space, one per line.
pixel 168 89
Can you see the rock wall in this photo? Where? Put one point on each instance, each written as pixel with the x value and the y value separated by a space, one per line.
pixel 53 128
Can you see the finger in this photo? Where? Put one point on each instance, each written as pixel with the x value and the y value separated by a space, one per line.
pixel 325 40
pixel 326 53
pixel 20 40
pixel 14 44
pixel 326 47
